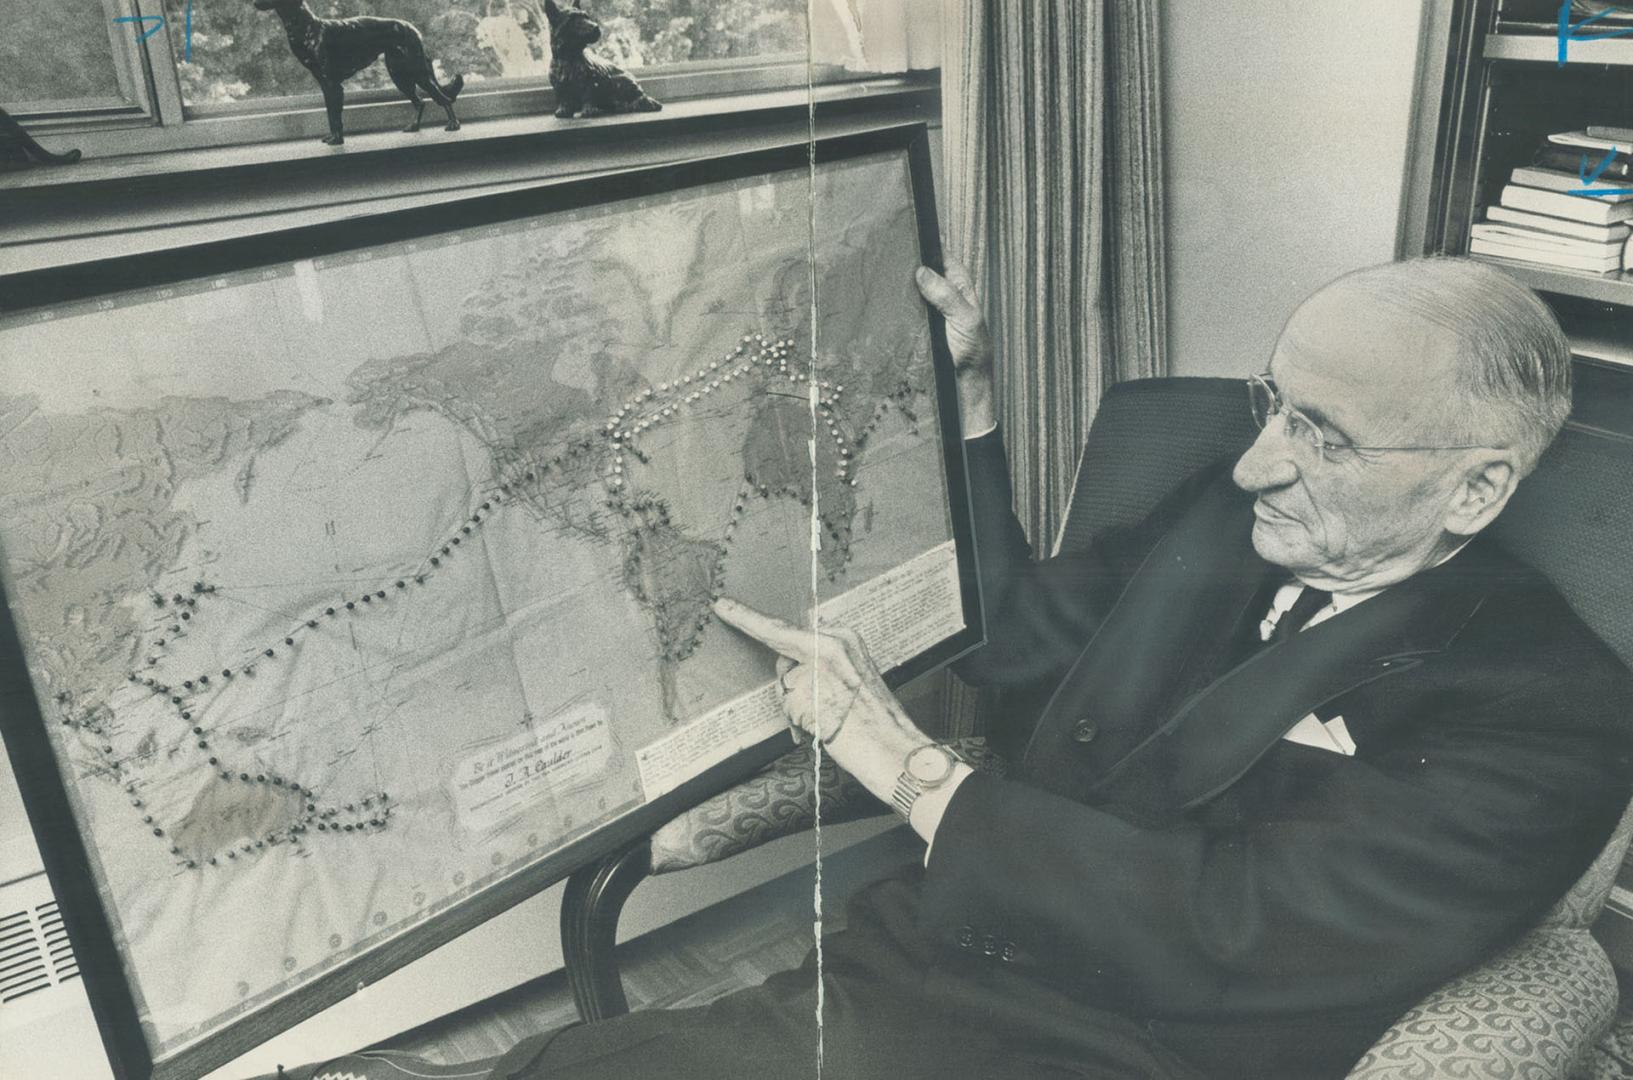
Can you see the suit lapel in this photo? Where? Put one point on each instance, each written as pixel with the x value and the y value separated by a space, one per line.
pixel 1174 730
pixel 1223 731
pixel 1154 646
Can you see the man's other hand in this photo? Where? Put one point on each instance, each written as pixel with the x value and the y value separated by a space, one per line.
pixel 967 339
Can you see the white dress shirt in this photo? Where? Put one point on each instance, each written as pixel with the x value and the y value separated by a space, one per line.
pixel 1311 731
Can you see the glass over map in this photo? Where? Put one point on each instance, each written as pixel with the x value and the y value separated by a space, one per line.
pixel 351 587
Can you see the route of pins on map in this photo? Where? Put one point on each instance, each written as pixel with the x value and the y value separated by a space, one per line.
pixel 753 354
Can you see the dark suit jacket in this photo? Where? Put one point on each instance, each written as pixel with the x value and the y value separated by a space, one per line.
pixel 1266 907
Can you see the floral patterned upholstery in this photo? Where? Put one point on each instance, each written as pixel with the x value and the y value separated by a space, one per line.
pixel 1533 1013
pixel 775 802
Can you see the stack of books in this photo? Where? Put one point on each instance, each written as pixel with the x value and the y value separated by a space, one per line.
pixel 1538 219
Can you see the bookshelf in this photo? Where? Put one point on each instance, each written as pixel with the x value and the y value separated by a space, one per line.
pixel 1610 289
pixel 1490 87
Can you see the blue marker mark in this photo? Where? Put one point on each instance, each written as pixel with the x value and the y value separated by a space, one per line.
pixel 1568 30
pixel 1588 178
pixel 158 24
pixel 157 20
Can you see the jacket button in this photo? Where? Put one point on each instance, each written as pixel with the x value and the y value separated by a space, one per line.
pixel 1084 731
pixel 989 945
pixel 966 937
pixel 1008 953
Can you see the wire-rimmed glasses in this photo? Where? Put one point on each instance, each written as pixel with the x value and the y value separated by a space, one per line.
pixel 1267 405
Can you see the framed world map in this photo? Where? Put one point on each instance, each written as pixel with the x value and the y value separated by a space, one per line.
pixel 359 577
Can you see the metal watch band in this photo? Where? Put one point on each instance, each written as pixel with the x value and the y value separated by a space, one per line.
pixel 908 787
pixel 906 793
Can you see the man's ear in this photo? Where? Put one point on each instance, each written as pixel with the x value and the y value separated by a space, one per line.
pixel 1485 488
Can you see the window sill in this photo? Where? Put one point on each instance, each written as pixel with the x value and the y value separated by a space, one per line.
pixel 132 202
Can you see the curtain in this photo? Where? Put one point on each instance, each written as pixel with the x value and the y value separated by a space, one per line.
pixel 1052 126
pixel 1052 129
pixel 877 36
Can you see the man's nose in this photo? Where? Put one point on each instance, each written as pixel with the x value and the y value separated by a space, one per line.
pixel 1268 463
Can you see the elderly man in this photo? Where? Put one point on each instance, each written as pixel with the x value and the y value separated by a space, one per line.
pixel 1306 746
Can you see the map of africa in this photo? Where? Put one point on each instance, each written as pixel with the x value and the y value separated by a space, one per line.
pixel 351 587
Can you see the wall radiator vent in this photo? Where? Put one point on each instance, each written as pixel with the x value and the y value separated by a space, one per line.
pixel 34 952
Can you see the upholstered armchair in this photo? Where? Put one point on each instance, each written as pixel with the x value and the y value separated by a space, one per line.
pixel 1535 1011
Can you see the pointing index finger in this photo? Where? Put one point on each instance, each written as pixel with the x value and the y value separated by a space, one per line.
pixel 791 641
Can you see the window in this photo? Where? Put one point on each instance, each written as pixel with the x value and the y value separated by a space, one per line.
pixel 133 76
pixel 240 54
pixel 69 58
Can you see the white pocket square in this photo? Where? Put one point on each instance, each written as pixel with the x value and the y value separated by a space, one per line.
pixel 1331 735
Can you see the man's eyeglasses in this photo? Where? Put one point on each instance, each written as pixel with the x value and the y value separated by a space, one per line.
pixel 1267 404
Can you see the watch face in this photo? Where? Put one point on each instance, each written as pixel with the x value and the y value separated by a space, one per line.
pixel 929 765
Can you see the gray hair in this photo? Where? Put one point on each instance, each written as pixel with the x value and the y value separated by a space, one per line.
pixel 1514 362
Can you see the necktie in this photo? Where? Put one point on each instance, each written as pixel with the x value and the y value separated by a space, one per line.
pixel 1309 602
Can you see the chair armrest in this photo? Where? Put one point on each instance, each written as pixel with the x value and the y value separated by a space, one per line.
pixel 778 801
pixel 1532 1013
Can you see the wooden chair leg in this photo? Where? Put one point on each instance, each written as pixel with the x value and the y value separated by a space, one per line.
pixel 590 908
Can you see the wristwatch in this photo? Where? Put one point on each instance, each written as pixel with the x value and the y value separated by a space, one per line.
pixel 924 769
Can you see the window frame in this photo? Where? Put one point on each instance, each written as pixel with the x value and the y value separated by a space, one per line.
pixel 134 102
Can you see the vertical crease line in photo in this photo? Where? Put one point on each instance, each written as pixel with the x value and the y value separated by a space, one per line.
pixel 811 382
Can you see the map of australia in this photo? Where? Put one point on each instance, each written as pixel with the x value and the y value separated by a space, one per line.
pixel 353 587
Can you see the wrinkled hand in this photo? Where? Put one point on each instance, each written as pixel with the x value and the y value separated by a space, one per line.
pixel 954 296
pixel 826 677
pixel 967 338
pixel 832 690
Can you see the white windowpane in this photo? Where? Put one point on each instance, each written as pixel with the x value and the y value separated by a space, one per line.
pixel 240 53
pixel 58 52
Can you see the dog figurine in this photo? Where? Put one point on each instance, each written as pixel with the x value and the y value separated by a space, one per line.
pixel 334 50
pixel 18 150
pixel 585 86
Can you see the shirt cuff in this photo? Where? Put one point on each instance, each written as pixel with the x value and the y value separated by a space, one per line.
pixel 970 436
pixel 930 806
